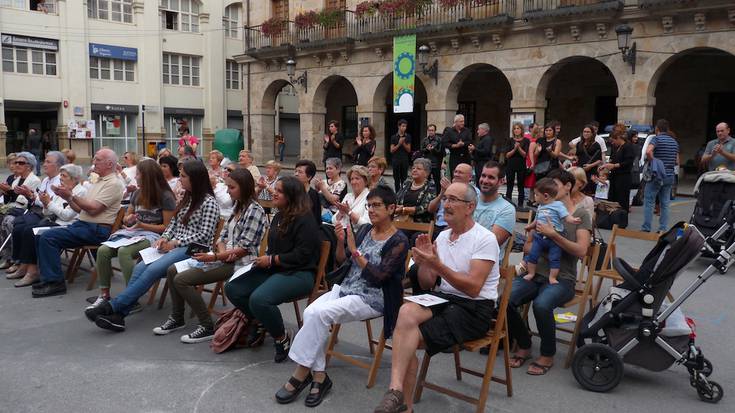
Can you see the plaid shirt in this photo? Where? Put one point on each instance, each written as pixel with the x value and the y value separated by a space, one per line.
pixel 201 226
pixel 248 231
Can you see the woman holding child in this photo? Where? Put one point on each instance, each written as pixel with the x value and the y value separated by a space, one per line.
pixel 573 241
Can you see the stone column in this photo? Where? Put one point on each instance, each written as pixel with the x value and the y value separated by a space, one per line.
pixel 263 131
pixel 636 109
pixel 441 117
pixel 529 106
pixel 3 134
pixel 312 131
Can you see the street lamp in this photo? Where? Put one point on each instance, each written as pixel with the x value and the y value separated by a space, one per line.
pixel 433 70
pixel 291 71
pixel 624 32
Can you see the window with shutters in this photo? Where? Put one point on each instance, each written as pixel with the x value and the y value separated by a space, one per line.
pixel 336 4
pixel 279 9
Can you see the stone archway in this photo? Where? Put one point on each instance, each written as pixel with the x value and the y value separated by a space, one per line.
pixel 383 103
pixel 482 93
pixel 335 98
pixel 694 90
pixel 578 90
pixel 264 130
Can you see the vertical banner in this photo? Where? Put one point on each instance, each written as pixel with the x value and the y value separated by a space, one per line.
pixel 404 73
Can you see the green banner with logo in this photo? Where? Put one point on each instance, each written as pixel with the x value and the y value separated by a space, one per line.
pixel 404 73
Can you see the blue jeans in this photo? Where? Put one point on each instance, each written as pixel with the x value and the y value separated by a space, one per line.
pixel 541 244
pixel 50 244
pixel 662 190
pixel 143 278
pixel 546 297
pixel 281 150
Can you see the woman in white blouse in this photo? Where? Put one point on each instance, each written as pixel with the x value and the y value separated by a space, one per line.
pixel 56 212
pixel 354 205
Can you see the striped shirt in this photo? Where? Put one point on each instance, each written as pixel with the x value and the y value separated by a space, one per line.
pixel 666 149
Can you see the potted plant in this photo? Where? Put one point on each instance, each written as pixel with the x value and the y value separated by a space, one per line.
pixel 329 18
pixel 366 9
pixel 306 20
pixel 272 27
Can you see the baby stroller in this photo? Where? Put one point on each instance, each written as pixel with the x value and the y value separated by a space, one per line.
pixel 633 325
pixel 715 193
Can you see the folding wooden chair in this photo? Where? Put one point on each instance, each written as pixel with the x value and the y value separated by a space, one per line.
pixel 89 251
pixel 525 217
pixel 498 333
pixel 376 352
pixel 320 284
pixel 582 298
pixel 411 225
pixel 607 271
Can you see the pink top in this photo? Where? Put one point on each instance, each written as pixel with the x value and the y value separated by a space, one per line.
pixel 192 140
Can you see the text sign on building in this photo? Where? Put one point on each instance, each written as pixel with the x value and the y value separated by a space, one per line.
pixel 27 41
pixel 404 73
pixel 113 52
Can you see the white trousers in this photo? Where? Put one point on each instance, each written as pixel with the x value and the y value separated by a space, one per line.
pixel 309 346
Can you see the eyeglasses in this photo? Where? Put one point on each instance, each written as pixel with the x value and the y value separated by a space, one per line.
pixel 20 163
pixel 453 200
pixel 375 205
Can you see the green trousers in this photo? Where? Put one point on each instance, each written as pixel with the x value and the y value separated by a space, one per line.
pixel 124 255
pixel 181 287
pixel 258 294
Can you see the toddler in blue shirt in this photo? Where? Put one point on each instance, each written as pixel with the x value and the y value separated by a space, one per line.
pixel 553 212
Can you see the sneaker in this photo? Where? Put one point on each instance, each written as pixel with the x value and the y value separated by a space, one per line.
pixel 168 326
pixel 136 308
pixel 198 335
pixel 113 322
pixel 282 348
pixel 256 335
pixel 97 302
pixel 93 312
pixel 392 402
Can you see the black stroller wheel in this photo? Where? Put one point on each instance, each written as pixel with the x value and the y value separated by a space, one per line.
pixel 597 367
pixel 710 393
pixel 708 368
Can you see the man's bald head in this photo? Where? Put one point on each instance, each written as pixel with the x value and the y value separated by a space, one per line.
pixel 462 173
pixel 104 161
pixel 723 130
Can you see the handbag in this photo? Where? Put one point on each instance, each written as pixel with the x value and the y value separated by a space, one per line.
pixel 598 240
pixel 339 274
pixel 542 168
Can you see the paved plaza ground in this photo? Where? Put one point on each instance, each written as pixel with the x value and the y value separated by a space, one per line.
pixel 53 360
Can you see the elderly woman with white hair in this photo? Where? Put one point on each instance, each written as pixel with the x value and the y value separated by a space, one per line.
pixel 333 189
pixel 56 212
pixel 354 207
pixel 417 192
pixel 26 182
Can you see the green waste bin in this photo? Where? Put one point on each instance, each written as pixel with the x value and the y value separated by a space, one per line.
pixel 229 142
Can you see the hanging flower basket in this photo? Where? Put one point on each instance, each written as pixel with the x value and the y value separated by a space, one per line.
pixel 306 20
pixel 366 8
pixel 272 27
pixel 329 18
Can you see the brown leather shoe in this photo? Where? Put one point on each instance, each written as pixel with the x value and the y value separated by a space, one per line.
pixel 392 403
pixel 15 275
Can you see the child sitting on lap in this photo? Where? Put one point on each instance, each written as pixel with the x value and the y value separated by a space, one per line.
pixel 550 211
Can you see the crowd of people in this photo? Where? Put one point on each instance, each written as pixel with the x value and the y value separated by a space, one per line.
pixel 209 214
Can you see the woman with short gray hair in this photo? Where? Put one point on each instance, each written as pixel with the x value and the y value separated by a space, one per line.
pixel 333 189
pixel 24 184
pixel 414 197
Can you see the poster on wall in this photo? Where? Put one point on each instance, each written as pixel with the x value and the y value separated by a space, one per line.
pixel 404 73
pixel 82 129
pixel 526 118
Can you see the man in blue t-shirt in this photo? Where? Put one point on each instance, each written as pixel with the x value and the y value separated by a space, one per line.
pixel 664 148
pixel 493 211
pixel 720 152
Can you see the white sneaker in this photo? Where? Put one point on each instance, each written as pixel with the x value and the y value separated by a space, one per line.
pixel 168 326
pixel 199 335
pixel 98 302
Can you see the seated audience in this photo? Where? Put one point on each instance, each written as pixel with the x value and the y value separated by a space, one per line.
pixel 56 212
pixel 237 247
pixel 267 184
pixel 493 211
pixel 376 258
pixel 285 273
pixel 245 159
pixel 98 211
pixel 128 174
pixel 170 169
pixel 151 207
pixel 70 155
pixel 23 188
pixel 354 208
pixel 333 189
pixel 221 194
pixel 578 196
pixel 163 152
pixel 544 295
pixel 35 212
pixel 462 174
pixel 304 171
pixel 464 262
pixel 416 193
pixel 187 152
pixel 215 163
pixel 194 222
pixel 376 168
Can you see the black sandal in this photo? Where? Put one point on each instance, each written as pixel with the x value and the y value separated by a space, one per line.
pixel 314 399
pixel 284 396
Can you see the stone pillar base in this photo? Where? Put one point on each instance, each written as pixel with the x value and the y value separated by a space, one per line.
pixel 3 137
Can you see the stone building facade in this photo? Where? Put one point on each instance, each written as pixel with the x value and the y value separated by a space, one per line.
pixel 556 59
